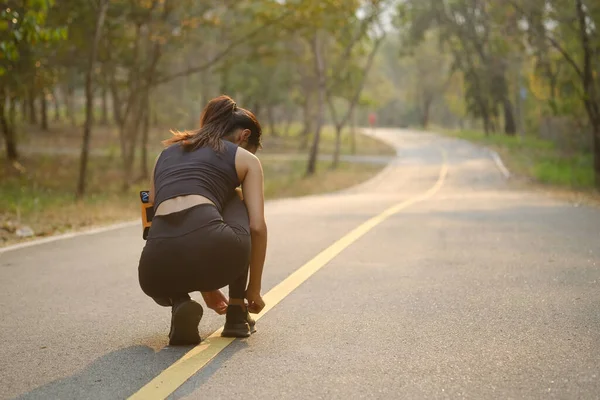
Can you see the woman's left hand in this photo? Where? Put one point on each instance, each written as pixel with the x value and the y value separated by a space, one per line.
pixel 216 301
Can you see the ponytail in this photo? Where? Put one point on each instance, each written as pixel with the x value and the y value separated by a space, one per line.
pixel 219 118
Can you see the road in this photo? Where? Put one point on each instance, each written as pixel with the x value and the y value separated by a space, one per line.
pixel 478 291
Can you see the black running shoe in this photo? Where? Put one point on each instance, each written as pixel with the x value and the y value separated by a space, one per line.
pixel 236 322
pixel 185 317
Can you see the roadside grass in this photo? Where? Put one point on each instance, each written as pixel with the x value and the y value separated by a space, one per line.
pixel 42 198
pixel 537 160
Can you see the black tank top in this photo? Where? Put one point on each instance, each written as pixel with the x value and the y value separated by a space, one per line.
pixel 204 172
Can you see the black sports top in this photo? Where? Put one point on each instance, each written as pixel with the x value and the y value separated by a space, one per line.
pixel 203 172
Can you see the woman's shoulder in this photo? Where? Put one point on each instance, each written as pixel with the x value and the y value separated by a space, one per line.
pixel 246 159
pixel 172 148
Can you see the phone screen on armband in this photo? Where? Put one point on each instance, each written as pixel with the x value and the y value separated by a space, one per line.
pixel 147 212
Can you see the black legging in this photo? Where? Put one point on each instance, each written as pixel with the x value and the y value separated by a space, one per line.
pixel 197 249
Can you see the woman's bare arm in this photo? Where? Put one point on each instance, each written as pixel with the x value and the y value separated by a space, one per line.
pixel 253 188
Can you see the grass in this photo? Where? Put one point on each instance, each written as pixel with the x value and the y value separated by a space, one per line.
pixel 42 197
pixel 537 160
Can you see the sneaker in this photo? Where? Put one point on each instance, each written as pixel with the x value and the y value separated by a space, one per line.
pixel 237 323
pixel 185 317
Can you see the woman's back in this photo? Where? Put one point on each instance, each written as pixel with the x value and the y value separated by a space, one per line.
pixel 204 172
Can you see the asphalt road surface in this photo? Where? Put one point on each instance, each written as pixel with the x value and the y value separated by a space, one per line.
pixel 480 291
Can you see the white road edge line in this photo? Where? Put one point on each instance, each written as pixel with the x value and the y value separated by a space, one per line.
pixel 70 235
pixel 493 154
pixel 499 163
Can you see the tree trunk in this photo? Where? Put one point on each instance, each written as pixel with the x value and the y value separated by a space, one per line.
pixel 137 105
pixel 145 172
pixel 69 94
pixel 311 168
pixel 596 139
pixel 307 124
pixel 493 124
pixel 484 115
pixel 340 124
pixel 104 106
pixel 24 109
pixel 425 114
pixel 257 108
pixel 56 106
pixel 510 126
pixel 271 121
pixel 487 128
pixel 128 136
pixel 338 147
pixel 130 140
pixel 12 112
pixel 89 99
pixel 7 130
pixel 353 132
pixel 31 104
pixel 44 110
pixel 116 103
pixel 589 78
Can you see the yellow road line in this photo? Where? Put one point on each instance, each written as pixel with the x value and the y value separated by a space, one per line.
pixel 174 376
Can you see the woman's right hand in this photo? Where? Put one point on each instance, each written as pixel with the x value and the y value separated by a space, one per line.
pixel 255 301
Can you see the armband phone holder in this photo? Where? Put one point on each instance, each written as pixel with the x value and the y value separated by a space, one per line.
pixel 147 212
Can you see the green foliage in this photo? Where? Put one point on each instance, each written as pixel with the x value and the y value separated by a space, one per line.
pixel 23 32
pixel 575 172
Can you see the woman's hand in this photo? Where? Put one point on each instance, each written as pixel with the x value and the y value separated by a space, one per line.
pixel 255 301
pixel 216 301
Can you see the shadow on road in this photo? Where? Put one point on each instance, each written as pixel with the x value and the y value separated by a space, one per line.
pixel 115 375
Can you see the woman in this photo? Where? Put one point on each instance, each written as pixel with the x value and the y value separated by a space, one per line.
pixel 203 237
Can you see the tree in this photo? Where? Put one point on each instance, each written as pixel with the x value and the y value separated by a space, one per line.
pixel 571 29
pixel 347 80
pixel 467 29
pixel 324 24
pixel 428 75
pixel 157 30
pixel 23 32
pixel 89 77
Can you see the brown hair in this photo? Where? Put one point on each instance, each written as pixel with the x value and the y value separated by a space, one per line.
pixel 220 118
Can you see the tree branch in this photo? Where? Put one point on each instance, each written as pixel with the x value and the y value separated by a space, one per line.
pixel 332 111
pixel 363 79
pixel 550 39
pixel 359 34
pixel 222 54
pixel 566 55
pixel 348 50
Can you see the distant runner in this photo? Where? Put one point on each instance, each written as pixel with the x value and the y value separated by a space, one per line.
pixel 372 119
